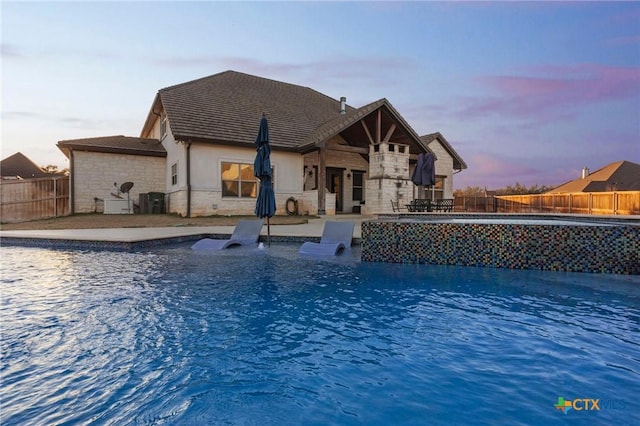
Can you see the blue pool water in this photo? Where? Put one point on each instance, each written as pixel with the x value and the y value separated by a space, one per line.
pixel 266 337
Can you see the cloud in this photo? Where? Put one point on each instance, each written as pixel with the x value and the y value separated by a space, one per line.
pixel 553 89
pixel 69 122
pixel 623 41
pixel 10 51
pixel 337 70
pixel 494 171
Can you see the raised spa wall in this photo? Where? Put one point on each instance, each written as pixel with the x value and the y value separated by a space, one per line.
pixel 599 245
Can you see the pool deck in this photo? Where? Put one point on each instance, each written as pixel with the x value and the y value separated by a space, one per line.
pixel 294 233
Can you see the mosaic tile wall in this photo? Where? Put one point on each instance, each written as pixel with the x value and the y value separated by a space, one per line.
pixel 600 249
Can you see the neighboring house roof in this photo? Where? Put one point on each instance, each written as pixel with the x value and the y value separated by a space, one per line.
pixel 458 162
pixel 115 144
pixel 19 166
pixel 618 176
pixel 225 108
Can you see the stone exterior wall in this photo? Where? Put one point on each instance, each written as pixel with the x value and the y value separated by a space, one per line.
pixel 94 174
pixel 388 177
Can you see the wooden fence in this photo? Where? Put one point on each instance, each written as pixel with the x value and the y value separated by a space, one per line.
pixel 32 199
pixel 609 203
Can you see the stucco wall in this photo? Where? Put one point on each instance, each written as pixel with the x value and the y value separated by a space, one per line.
pixel 94 174
pixel 206 180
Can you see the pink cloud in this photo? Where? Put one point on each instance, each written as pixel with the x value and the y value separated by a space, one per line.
pixel 553 89
pixel 623 41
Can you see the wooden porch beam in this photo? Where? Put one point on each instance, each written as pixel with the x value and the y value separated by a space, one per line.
pixel 389 133
pixel 366 130
pixel 349 148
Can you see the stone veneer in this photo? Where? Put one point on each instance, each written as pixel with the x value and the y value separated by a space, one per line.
pixel 593 247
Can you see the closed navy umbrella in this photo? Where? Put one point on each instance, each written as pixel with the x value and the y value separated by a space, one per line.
pixel 266 202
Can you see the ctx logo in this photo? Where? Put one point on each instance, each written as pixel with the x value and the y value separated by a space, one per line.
pixel 586 404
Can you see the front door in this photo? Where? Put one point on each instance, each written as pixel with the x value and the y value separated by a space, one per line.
pixel 334 184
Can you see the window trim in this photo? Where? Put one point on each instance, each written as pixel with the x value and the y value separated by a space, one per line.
pixel 239 181
pixel 164 124
pixel 174 174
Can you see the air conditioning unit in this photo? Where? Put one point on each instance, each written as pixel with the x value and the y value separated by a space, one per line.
pixel 118 206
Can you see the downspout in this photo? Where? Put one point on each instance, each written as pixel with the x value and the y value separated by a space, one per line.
pixel 188 179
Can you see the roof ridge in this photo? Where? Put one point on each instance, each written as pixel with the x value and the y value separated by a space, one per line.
pixel 240 73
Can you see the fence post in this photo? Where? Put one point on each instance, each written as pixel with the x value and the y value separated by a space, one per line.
pixel 570 201
pixel 55 197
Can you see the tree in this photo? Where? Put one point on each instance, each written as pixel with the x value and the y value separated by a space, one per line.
pixel 469 191
pixel 53 169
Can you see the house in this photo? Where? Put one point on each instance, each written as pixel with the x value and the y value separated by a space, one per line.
pixel 449 163
pixel 197 147
pixel 18 166
pixel 618 176
pixel 99 166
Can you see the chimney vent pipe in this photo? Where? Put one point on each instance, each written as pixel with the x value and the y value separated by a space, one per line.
pixel 585 172
pixel 343 105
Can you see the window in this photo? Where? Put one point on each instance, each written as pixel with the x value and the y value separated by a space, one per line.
pixel 163 125
pixel 358 186
pixel 174 174
pixel 438 188
pixel 238 180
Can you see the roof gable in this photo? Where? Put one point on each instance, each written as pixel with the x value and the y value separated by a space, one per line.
pixel 458 162
pixel 403 133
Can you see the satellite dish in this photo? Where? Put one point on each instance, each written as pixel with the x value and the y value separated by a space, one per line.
pixel 126 187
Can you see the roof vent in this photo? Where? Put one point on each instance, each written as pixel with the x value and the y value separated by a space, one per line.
pixel 585 172
pixel 343 105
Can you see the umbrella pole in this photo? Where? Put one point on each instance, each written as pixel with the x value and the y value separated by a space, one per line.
pixel 268 232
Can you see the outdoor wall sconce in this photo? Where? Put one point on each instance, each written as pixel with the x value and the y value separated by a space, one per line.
pixel 348 175
pixel 310 172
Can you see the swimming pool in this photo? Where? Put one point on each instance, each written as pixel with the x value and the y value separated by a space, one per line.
pixel 169 336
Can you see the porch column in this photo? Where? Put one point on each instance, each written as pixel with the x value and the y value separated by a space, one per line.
pixel 322 177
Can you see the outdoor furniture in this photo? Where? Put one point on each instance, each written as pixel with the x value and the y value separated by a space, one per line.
pixel 246 232
pixel 419 205
pixel 395 205
pixel 445 205
pixel 424 205
pixel 336 237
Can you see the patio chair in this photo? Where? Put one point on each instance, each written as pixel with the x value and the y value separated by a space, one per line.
pixel 336 237
pixel 396 207
pixel 246 232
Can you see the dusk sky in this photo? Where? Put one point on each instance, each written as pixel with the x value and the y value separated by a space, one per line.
pixel 524 92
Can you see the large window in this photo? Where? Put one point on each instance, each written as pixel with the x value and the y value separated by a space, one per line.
pixel 238 180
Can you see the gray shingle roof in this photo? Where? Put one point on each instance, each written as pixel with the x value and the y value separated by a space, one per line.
pixel 618 176
pixel 227 107
pixel 18 165
pixel 458 162
pixel 115 144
